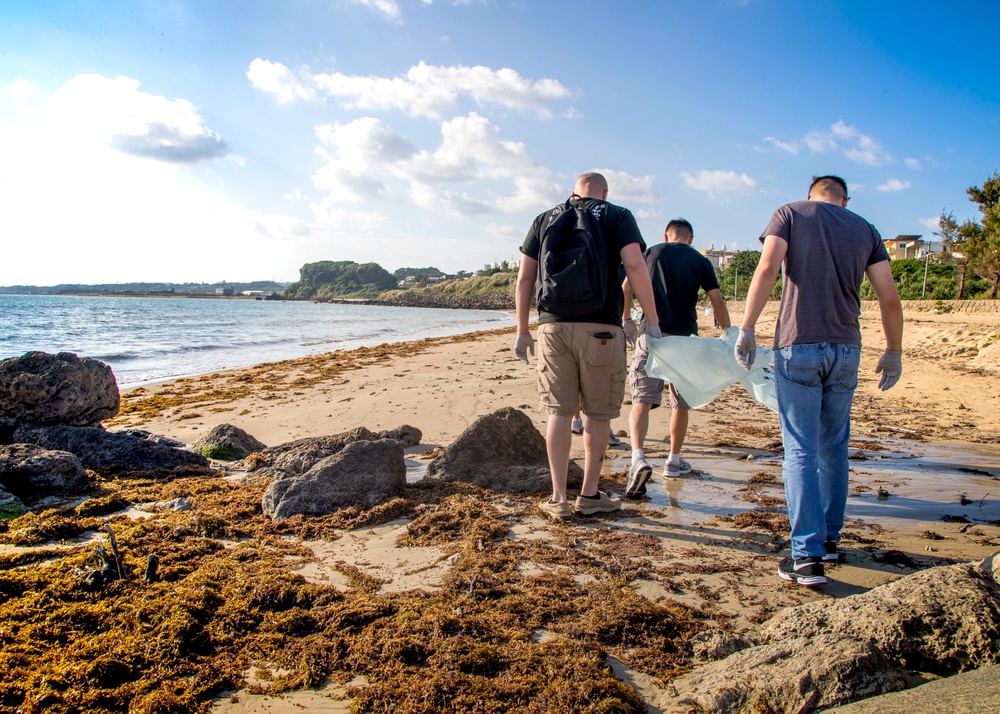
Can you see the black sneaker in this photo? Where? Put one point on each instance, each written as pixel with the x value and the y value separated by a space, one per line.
pixel 832 556
pixel 804 571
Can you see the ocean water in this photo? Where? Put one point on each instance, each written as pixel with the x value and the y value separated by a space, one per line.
pixel 146 340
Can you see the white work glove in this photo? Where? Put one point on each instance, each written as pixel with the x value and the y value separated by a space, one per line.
pixel 653 331
pixel 746 347
pixel 631 330
pixel 522 345
pixel 890 364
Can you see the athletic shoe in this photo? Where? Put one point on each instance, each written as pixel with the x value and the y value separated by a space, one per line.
pixel 601 503
pixel 804 571
pixel 638 473
pixel 831 556
pixel 577 426
pixel 556 511
pixel 673 470
pixel 614 440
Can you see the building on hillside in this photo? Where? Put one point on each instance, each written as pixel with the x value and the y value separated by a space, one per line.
pixel 911 246
pixel 719 258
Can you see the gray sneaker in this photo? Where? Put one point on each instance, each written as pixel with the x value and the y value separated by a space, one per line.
pixel 672 470
pixel 638 473
pixel 576 426
pixel 601 503
pixel 614 440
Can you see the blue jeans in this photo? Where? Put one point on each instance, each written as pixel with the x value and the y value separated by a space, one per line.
pixel 815 385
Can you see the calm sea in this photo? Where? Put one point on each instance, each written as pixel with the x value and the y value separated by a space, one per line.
pixel 151 339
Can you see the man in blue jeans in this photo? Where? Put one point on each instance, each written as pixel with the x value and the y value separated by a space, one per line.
pixel 826 252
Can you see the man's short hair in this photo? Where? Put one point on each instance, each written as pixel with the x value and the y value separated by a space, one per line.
pixel 829 184
pixel 679 223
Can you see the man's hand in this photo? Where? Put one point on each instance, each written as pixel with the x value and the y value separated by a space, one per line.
pixel 630 332
pixel 746 347
pixel 891 366
pixel 523 345
pixel 653 331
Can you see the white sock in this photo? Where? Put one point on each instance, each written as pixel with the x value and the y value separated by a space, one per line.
pixel 674 459
pixel 636 455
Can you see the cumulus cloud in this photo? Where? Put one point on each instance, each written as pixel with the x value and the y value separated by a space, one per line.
pixel 840 136
pixel 388 8
pixel 913 164
pixel 933 223
pixel 893 185
pixel 167 143
pixel 627 188
pixel 425 90
pixel 720 184
pixel 791 147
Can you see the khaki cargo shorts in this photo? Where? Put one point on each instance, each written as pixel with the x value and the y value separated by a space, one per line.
pixel 646 389
pixel 581 363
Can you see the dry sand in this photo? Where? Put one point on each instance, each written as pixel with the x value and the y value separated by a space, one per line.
pixel 925 470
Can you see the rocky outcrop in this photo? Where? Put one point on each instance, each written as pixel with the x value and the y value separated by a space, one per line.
pixel 832 652
pixel 365 472
pixel 110 453
pixel 502 452
pixel 226 442
pixel 40 388
pixel 31 472
pixel 297 457
pixel 10 505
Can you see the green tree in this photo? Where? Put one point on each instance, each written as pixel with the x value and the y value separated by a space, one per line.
pixel 982 241
pixel 951 237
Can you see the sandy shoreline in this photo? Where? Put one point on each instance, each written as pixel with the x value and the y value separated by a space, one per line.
pixel 925 490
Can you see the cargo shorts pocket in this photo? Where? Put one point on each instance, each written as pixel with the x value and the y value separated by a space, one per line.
pixel 601 348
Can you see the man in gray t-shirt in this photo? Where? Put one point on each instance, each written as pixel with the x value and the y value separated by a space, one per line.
pixel 826 252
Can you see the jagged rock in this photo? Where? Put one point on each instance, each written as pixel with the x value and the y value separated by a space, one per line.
pixel 40 388
pixel 502 451
pixel 110 453
pixel 406 435
pixel 174 504
pixel 297 457
pixel 832 652
pixel 796 675
pixel 10 505
pixel 155 438
pixel 975 692
pixel 712 645
pixel 941 620
pixel 227 443
pixel 31 472
pixel 363 472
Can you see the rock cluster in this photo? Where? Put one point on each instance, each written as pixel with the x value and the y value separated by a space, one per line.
pixel 51 407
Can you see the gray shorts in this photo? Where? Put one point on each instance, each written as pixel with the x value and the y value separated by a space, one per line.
pixel 646 389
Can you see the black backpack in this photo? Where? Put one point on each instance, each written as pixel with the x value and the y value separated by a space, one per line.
pixel 572 262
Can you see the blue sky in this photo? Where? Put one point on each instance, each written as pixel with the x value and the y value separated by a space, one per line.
pixel 239 139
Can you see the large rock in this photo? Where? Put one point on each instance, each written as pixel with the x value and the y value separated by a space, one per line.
pixel 975 692
pixel 502 451
pixel 227 443
pixel 941 620
pixel 109 453
pixel 40 388
pixel 31 472
pixel 10 505
pixel 832 652
pixel 363 473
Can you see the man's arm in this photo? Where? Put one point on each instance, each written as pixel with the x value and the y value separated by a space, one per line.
pixel 761 286
pixel 523 291
pixel 891 363
pixel 638 277
pixel 627 292
pixel 719 308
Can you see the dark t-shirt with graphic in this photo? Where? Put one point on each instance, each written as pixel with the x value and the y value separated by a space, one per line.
pixel 677 272
pixel 619 229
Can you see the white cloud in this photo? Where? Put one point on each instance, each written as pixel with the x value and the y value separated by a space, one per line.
pixel 721 183
pixel 280 81
pixel 894 185
pixel 388 8
pixel 506 232
pixel 858 147
pixel 933 223
pixel 625 188
pixel 819 142
pixel 792 147
pixel 425 90
pixel 913 164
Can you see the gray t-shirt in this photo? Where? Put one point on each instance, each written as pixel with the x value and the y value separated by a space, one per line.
pixel 829 249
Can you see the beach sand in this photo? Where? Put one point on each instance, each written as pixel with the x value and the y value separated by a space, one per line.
pixel 925 476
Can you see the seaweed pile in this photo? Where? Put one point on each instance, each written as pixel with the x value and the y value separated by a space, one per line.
pixel 222 600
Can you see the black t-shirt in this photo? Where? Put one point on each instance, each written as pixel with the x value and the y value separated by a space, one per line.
pixel 619 229
pixel 677 271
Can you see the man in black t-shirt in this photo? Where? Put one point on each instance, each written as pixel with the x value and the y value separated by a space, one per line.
pixel 581 359
pixel 678 272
